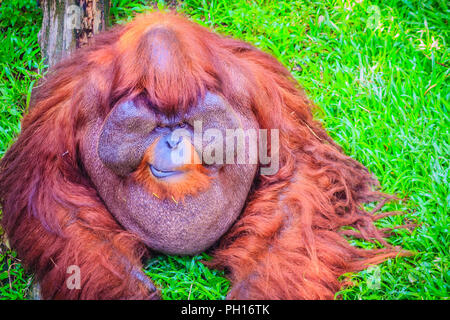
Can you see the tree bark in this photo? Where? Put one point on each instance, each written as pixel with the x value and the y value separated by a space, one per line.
pixel 70 24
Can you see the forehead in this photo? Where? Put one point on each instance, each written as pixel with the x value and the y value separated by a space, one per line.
pixel 175 63
pixel 157 58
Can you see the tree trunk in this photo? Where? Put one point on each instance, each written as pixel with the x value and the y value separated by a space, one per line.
pixel 70 24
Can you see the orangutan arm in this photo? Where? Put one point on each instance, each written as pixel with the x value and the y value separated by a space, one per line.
pixel 288 243
pixel 54 219
pixel 107 258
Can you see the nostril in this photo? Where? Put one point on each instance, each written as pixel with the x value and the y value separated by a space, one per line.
pixel 173 141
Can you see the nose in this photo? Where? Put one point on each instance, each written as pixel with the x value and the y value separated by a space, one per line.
pixel 173 140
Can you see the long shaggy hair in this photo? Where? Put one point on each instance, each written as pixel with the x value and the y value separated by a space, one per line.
pixel 288 243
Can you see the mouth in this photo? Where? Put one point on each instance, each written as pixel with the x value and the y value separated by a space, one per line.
pixel 158 173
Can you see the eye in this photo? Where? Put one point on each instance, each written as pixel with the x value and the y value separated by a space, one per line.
pixel 160 129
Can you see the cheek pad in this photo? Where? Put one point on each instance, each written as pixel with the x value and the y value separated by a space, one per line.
pixel 124 137
pixel 214 112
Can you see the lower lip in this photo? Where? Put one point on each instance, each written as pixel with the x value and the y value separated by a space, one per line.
pixel 162 174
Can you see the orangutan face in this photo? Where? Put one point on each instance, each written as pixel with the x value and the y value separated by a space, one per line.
pixel 155 173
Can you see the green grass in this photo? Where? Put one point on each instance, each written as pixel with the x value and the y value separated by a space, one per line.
pixel 379 76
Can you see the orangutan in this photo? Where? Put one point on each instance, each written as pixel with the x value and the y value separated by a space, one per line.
pixel 128 148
